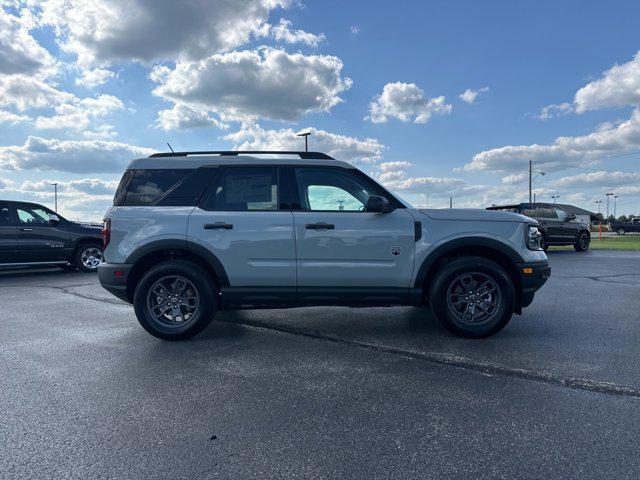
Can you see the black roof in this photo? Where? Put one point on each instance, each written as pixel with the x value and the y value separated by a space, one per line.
pixel 235 153
pixel 566 207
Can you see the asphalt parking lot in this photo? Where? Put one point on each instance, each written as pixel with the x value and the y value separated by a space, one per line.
pixel 323 392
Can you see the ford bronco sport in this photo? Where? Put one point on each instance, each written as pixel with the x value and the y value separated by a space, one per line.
pixel 191 233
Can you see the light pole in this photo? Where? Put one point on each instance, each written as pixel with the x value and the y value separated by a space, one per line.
pixel 598 202
pixel 608 195
pixel 532 178
pixel 615 201
pixel 555 198
pixel 55 196
pixel 306 136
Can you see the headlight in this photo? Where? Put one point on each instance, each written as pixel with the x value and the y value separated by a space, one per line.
pixel 533 238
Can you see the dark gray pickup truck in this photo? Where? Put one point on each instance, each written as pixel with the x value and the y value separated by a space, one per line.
pixel 623 227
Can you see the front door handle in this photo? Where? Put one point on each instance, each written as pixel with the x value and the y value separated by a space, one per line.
pixel 320 226
pixel 218 225
pixel 26 229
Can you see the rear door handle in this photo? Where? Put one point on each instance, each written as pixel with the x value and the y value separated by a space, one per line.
pixel 320 226
pixel 218 225
pixel 26 229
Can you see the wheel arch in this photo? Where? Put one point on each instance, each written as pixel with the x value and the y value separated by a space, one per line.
pixel 148 255
pixel 494 250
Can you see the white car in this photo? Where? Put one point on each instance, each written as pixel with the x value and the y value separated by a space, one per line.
pixel 191 233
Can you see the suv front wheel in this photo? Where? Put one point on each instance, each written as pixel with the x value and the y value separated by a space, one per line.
pixel 472 297
pixel 175 300
pixel 582 245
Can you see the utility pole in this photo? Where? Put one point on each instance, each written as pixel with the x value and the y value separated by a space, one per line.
pixel 450 202
pixel 615 201
pixel 534 197
pixel 608 195
pixel 55 196
pixel 530 179
pixel 306 143
pixel 555 198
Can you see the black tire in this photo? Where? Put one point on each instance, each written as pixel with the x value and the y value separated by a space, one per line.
pixel 202 287
pixel 447 314
pixel 621 231
pixel 582 245
pixel 87 257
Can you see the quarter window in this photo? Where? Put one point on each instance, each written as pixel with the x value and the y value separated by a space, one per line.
pixel 148 186
pixel 5 216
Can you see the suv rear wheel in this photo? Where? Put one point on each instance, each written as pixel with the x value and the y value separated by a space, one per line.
pixel 472 297
pixel 621 231
pixel 175 300
pixel 582 245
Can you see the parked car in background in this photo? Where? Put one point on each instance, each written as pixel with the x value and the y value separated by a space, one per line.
pixel 191 233
pixel 557 226
pixel 623 227
pixel 33 235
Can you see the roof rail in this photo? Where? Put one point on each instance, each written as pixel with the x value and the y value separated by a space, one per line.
pixel 235 153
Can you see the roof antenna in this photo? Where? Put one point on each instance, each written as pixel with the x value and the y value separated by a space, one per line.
pixel 168 145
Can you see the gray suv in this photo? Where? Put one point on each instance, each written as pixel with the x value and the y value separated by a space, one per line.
pixel 191 233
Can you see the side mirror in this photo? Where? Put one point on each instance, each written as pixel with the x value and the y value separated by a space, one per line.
pixel 54 218
pixel 377 204
pixel 572 217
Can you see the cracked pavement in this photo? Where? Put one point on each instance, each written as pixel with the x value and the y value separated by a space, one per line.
pixel 323 392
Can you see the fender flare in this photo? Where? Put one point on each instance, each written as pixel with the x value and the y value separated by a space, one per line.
pixel 177 244
pixel 451 245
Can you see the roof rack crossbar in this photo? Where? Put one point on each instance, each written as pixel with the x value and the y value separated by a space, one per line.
pixel 235 153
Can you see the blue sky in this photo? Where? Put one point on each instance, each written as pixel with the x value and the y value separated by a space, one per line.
pixel 86 86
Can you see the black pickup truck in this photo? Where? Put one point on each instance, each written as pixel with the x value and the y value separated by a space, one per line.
pixel 33 235
pixel 623 227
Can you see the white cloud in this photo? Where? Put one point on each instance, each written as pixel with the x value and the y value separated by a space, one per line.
pixel 92 78
pixel 554 110
pixel 265 83
pixel 20 53
pixel 24 92
pixel 355 30
pixel 183 117
pixel 102 32
pixel 76 156
pixel 564 152
pixel 341 147
pixel 12 118
pixel 470 96
pixel 77 114
pixel 619 86
pixel 406 102
pixel 514 178
pixel 284 33
pixel 599 179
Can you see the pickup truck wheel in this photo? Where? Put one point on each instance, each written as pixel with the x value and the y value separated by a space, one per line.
pixel 582 245
pixel 473 297
pixel 175 300
pixel 88 256
pixel 621 231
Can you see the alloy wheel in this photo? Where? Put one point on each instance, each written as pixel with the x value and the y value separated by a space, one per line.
pixel 474 298
pixel 173 301
pixel 91 258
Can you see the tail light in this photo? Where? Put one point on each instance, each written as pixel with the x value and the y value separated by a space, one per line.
pixel 106 232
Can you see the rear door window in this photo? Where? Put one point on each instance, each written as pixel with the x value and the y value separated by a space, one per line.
pixel 240 189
